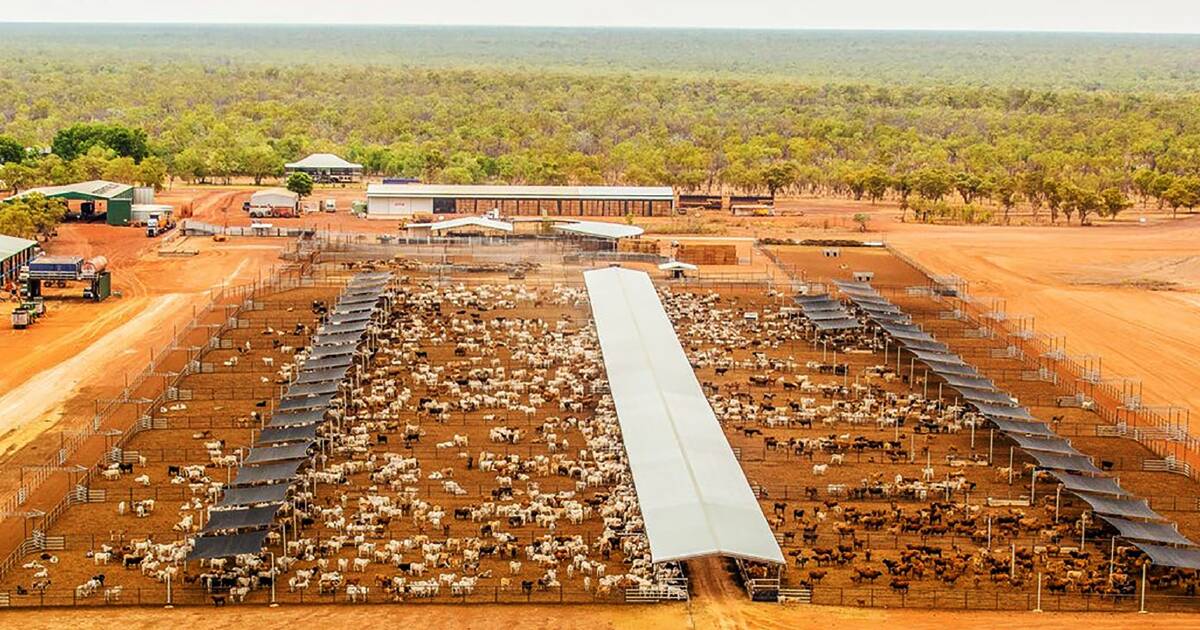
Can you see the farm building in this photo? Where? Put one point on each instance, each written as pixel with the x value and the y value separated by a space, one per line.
pixel 89 199
pixel 391 201
pixel 14 252
pixel 326 168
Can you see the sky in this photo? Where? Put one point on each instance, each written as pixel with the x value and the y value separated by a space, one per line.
pixel 1149 16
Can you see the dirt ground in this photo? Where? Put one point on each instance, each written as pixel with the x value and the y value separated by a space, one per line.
pixel 1128 292
pixel 713 612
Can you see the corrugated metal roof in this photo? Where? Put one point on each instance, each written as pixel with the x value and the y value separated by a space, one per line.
pixel 10 245
pixel 656 193
pixel 323 160
pixel 451 224
pixel 600 229
pixel 95 188
pixel 694 496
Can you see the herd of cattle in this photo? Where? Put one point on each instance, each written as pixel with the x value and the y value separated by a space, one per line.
pixel 475 452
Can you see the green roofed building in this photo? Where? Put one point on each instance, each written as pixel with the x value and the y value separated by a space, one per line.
pixel 88 199
pixel 14 252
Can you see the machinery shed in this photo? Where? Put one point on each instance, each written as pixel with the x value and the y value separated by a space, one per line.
pixel 90 199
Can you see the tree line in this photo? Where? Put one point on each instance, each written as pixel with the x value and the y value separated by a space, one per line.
pixel 948 150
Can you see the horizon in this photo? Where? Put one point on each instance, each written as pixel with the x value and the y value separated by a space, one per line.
pixel 1149 17
pixel 602 27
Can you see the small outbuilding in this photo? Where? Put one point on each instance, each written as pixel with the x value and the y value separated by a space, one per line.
pixel 327 168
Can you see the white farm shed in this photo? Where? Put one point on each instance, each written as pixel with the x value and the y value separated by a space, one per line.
pixel 274 198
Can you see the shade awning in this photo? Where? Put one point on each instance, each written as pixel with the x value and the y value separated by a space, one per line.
pixel 321 376
pixel 333 350
pixel 267 472
pixel 1069 463
pixel 1047 444
pixel 282 452
pixel 1094 485
pixel 1017 426
pixel 1164 533
pixel 253 495
pixel 694 497
pixel 312 389
pixel 1128 508
pixel 989 396
pixel 336 339
pixel 298 418
pixel 283 435
pixel 835 324
pixel 1170 556
pixel 241 518
pixel 314 365
pixel 1003 411
pixel 209 547
pixel 305 402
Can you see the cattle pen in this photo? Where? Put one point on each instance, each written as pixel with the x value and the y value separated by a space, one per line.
pixel 455 422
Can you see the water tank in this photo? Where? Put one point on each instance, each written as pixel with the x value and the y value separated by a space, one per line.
pixel 94 266
pixel 143 195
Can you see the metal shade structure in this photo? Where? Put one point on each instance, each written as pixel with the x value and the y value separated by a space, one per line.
pixel 211 547
pixel 313 389
pixel 980 383
pixel 327 363
pixel 1170 556
pixel 283 435
pixel 355 300
pixel 1164 533
pixel 283 471
pixel 827 315
pixel 254 495
pixel 337 339
pixel 1047 444
pixel 826 325
pixel 282 452
pixel 1069 463
pixel 298 418
pixel 332 350
pixel 989 396
pixel 311 375
pixel 1093 485
pixel 1003 411
pixel 241 518
pixel 305 402
pixel 1026 428
pixel 1128 508
pixel 693 494
pixel 345 327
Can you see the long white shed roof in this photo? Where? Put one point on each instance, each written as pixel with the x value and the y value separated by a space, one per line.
pixel 693 494
pixel 600 229
pixel 450 224
pixel 653 193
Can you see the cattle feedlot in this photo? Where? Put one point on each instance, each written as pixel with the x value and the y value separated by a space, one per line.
pixel 385 428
